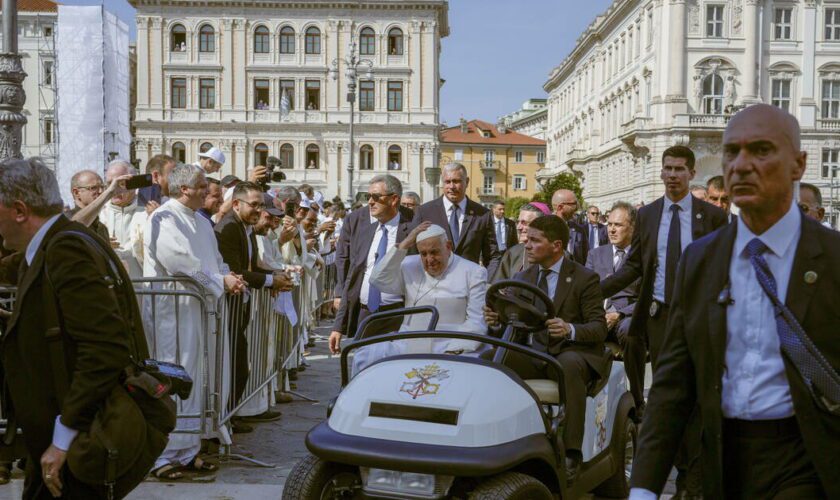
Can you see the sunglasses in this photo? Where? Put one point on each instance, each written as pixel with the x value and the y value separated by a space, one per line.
pixel 378 197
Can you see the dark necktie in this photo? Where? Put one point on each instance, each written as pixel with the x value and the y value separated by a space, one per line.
pixel 374 295
pixel 252 251
pixel 543 282
pixel 454 226
pixel 672 252
pixel 810 363
pixel 618 260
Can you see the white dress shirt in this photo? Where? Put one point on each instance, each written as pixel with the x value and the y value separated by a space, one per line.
pixel 393 226
pixel 662 240
pixel 754 385
pixel 462 208
pixel 593 228
pixel 63 436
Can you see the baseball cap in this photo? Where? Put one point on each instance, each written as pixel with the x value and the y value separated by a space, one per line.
pixel 229 179
pixel 269 206
pixel 214 154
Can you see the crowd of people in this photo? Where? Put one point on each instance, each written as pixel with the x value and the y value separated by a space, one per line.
pixel 738 405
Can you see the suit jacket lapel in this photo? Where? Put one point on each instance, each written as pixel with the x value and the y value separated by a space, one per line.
pixel 368 231
pixel 564 283
pixel 698 218
pixel 653 231
pixel 806 259
pixel 718 274
pixel 469 220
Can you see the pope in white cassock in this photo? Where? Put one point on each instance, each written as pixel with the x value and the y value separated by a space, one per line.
pixel 436 277
pixel 179 243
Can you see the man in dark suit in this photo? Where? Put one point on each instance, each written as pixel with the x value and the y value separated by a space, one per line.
pixel 468 224
pixel 595 231
pixel 716 195
pixel 765 433
pixel 366 236
pixel 506 235
pixel 565 205
pixel 30 217
pixel 606 260
pixel 238 247
pixel 513 261
pixel 576 331
pixel 665 227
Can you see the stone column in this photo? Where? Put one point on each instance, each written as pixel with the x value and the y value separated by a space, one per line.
pixel 156 48
pixel 333 167
pixel 237 151
pixel 751 47
pixel 676 55
pixel 240 57
pixel 413 84
pixel 807 103
pixel 226 48
pixel 12 98
pixel 142 68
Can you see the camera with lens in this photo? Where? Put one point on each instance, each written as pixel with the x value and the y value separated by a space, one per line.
pixel 272 172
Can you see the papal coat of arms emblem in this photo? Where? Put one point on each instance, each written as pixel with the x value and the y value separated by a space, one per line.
pixel 424 381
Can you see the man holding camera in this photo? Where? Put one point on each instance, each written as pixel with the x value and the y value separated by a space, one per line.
pixel 125 220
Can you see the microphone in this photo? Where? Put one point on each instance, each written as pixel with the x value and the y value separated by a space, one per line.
pixel 725 296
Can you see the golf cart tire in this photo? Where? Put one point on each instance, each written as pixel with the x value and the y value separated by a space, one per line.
pixel 618 485
pixel 511 486
pixel 310 475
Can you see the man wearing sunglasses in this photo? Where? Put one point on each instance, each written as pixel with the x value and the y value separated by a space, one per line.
pixel 810 201
pixel 366 236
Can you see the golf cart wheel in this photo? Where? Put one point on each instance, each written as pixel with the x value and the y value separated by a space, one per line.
pixel 315 479
pixel 511 486
pixel 618 485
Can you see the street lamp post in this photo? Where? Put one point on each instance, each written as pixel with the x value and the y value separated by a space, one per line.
pixel 353 64
pixel 12 96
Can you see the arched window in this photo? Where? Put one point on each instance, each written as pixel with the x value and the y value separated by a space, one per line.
pixel 713 95
pixel 207 39
pixel 287 40
pixel 178 38
pixel 260 154
pixel 179 152
pixel 313 40
pixel 287 156
pixel 395 158
pixel 204 147
pixel 395 42
pixel 312 156
pixel 262 40
pixel 367 42
pixel 366 157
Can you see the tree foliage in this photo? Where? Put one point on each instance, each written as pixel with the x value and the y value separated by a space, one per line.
pixel 512 206
pixel 565 180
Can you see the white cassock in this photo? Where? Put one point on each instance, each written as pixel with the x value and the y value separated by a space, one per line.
pixel 179 243
pixel 458 295
pixel 126 224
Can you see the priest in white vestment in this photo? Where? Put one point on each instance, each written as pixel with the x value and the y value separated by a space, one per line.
pixel 125 220
pixel 178 242
pixel 436 277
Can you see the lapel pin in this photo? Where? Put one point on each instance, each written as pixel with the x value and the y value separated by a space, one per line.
pixel 810 277
pixel 568 279
pixel 699 216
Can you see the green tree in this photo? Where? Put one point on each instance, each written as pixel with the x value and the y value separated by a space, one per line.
pixel 512 206
pixel 565 180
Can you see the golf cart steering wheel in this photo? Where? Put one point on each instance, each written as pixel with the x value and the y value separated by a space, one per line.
pixel 517 310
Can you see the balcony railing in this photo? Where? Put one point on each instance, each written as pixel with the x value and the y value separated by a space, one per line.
pixel 829 124
pixel 490 164
pixel 708 120
pixel 489 193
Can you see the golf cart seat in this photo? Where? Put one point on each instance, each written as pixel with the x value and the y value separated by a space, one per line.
pixel 546 389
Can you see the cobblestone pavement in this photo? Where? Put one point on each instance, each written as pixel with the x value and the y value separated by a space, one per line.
pixel 280 443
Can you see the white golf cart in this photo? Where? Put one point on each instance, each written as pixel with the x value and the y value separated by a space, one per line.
pixel 432 426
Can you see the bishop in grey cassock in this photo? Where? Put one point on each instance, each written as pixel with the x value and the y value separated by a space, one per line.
pixel 437 277
pixel 179 243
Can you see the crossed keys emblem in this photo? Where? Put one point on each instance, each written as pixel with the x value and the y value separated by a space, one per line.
pixel 424 381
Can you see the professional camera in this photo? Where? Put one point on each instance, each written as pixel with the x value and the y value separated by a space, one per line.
pixel 272 172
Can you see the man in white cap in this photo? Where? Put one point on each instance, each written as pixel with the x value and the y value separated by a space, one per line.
pixel 436 277
pixel 211 161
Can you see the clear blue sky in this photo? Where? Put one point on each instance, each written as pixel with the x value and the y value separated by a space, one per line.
pixel 498 53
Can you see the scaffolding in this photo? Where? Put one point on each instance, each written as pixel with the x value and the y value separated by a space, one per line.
pixel 47 95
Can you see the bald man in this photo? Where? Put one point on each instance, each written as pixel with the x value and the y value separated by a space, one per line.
pixel 565 205
pixel 766 433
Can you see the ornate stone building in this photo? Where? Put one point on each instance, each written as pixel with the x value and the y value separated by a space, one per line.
pixel 531 119
pixel 255 82
pixel 647 74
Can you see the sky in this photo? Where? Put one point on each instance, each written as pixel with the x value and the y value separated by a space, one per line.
pixel 498 53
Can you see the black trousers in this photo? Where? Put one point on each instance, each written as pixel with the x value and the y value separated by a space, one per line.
pixel 240 316
pixel 72 489
pixel 767 459
pixel 576 376
pixel 635 356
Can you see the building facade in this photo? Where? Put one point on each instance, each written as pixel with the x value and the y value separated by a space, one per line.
pixel 531 119
pixel 501 163
pixel 36 29
pixel 255 82
pixel 648 74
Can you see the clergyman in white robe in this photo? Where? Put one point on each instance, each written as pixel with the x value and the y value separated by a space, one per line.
pixel 179 243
